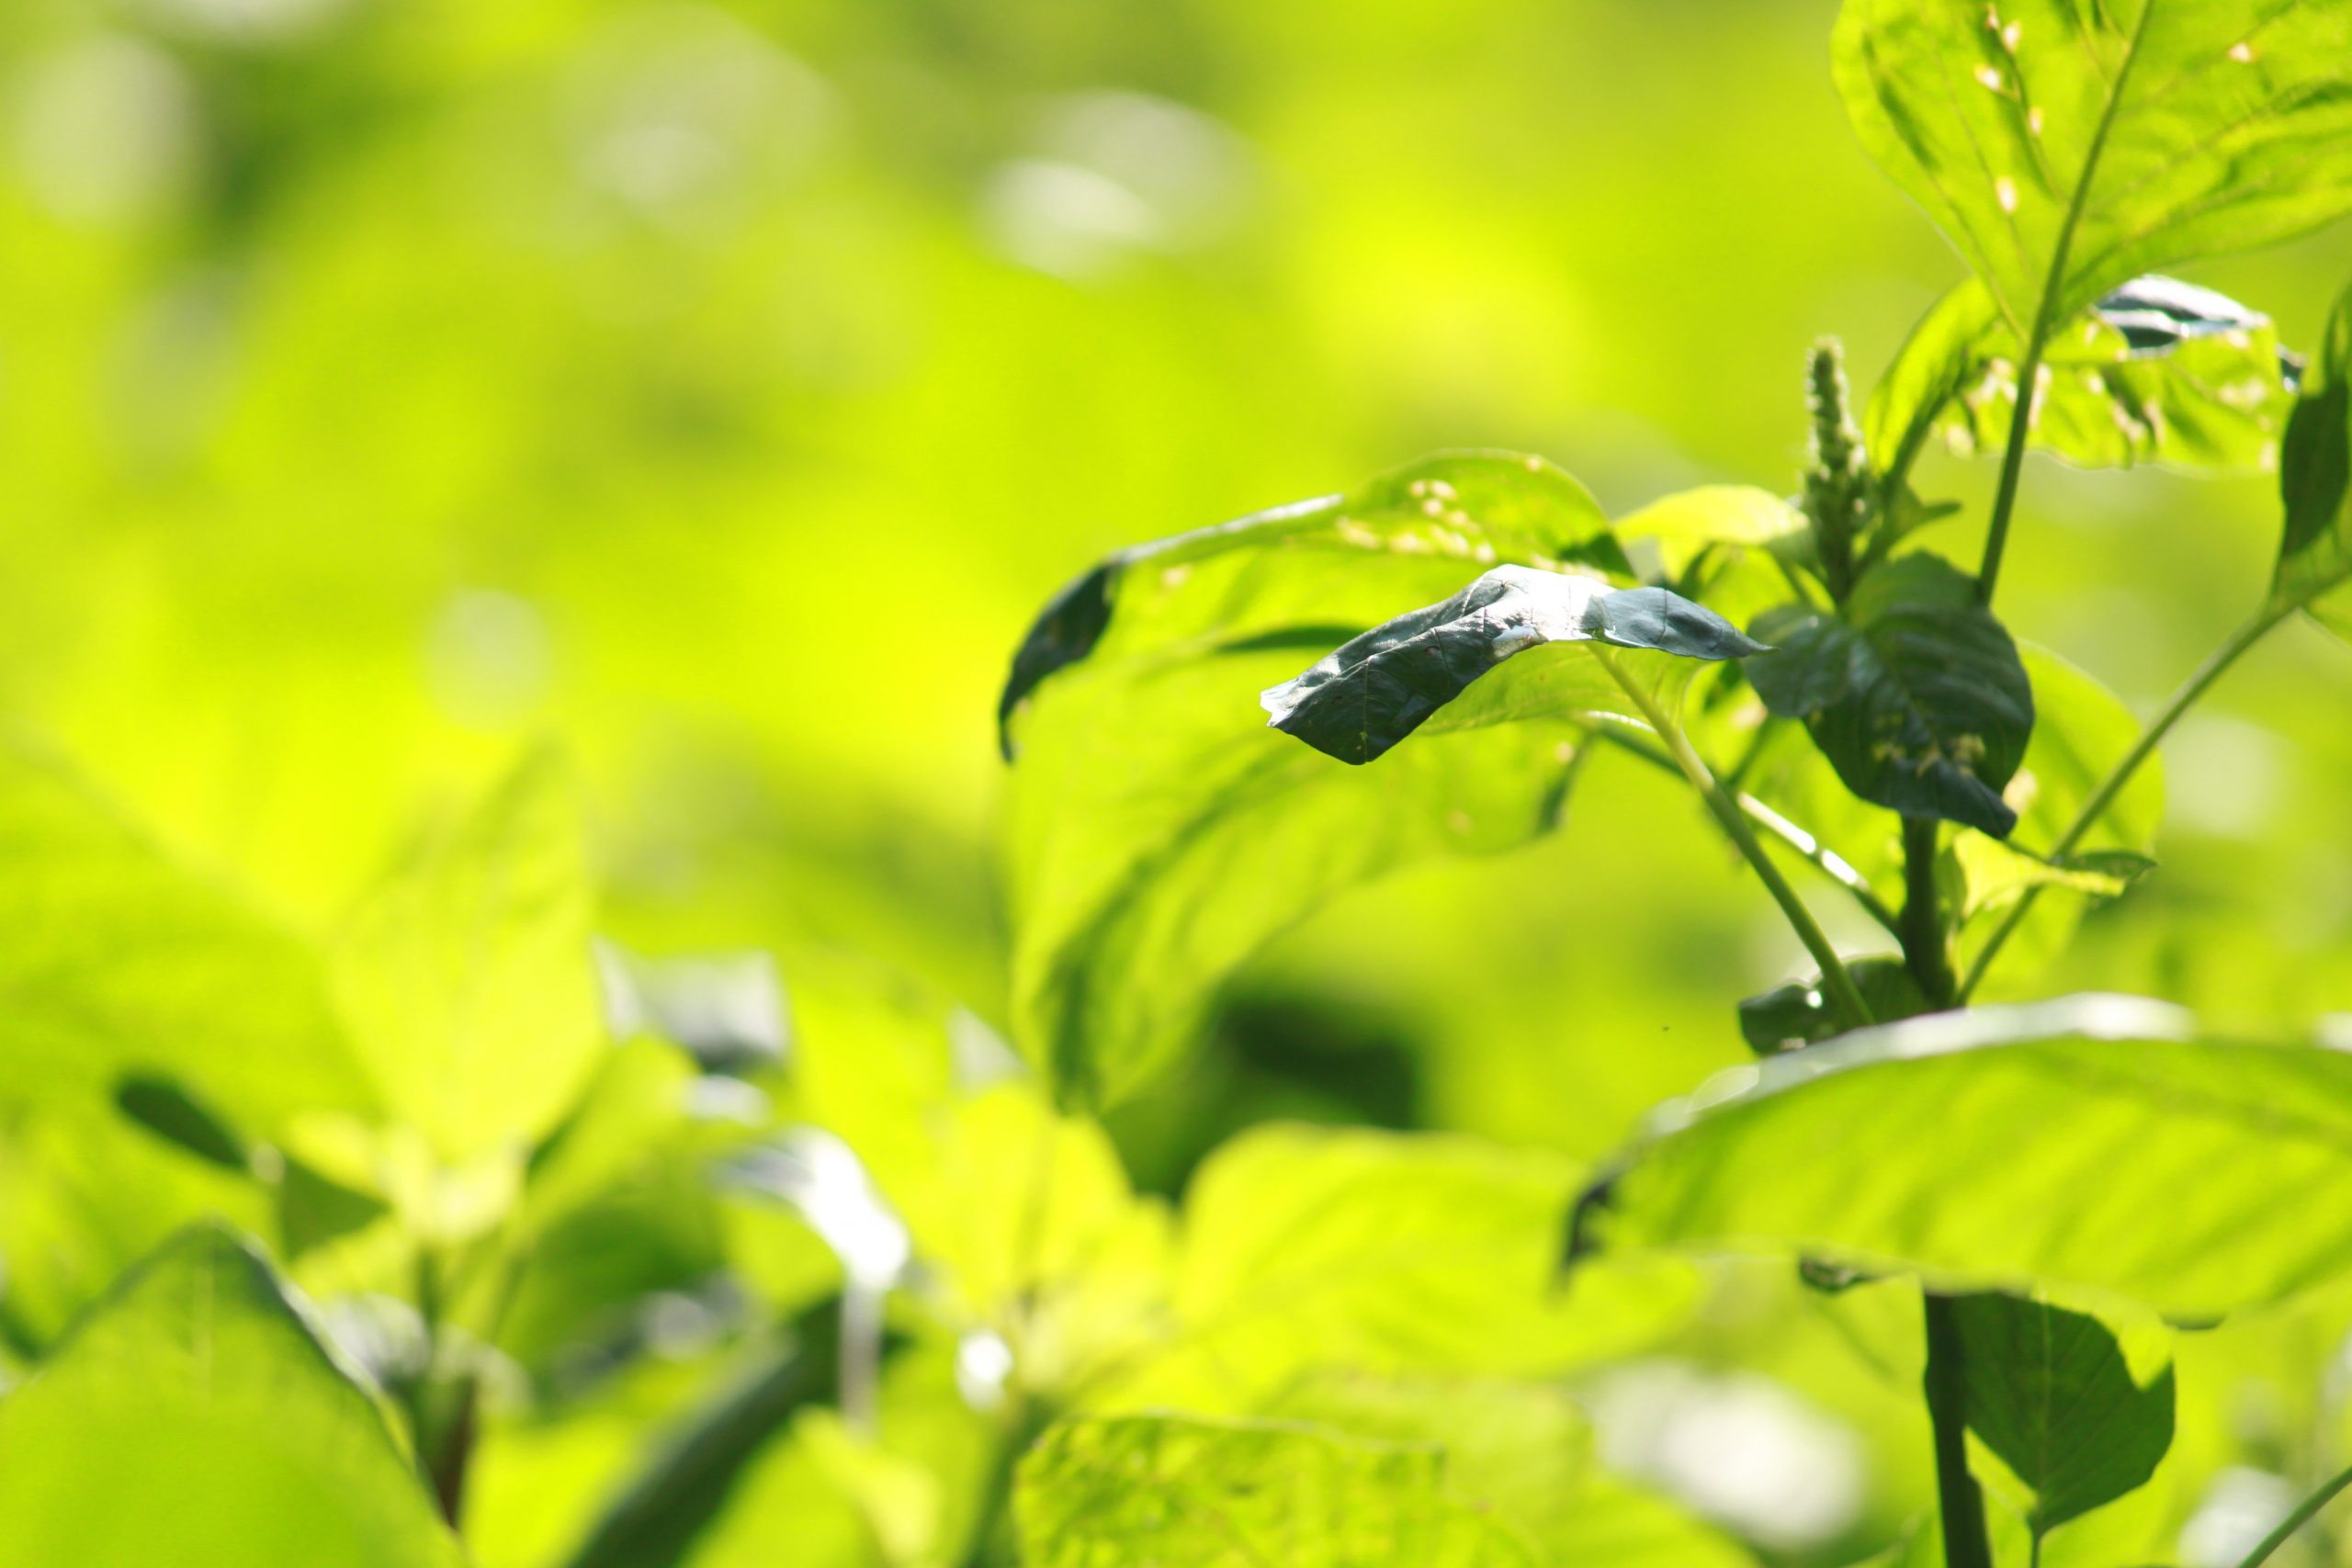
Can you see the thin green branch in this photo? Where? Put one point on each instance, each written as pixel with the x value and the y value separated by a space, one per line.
pixel 1925 949
pixel 2296 1520
pixel 2045 315
pixel 1803 845
pixel 1835 981
pixel 2216 664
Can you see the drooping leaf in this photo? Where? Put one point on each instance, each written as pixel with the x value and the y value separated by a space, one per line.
pixel 2096 1143
pixel 196 1415
pixel 1245 577
pixel 1159 835
pixel 1110 1493
pixel 2124 137
pixel 1372 690
pixel 1307 1247
pixel 2050 1392
pixel 121 963
pixel 2315 483
pixel 2157 371
pixel 1914 694
pixel 467 979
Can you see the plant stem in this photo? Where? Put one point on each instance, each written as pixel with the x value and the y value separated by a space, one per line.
pixel 1835 981
pixel 1958 1498
pixel 2251 632
pixel 2045 317
pixel 1812 851
pixel 2298 1520
pixel 1924 950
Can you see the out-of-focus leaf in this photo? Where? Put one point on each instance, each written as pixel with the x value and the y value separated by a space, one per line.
pixel 1798 1014
pixel 2098 1143
pixel 684 1484
pixel 1688 523
pixel 2124 137
pixel 1374 1252
pixel 1372 690
pixel 1160 836
pixel 467 979
pixel 1914 694
pixel 196 1415
pixel 2157 371
pixel 119 961
pixel 1096 1494
pixel 1239 578
pixel 2081 731
pixel 2315 483
pixel 2051 1393
pixel 1027 1227
pixel 1146 786
pixel 168 1111
pixel 1521 1452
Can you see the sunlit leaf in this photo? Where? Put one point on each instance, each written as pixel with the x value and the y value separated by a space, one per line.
pixel 2157 371
pixel 1160 835
pixel 1686 522
pixel 196 1415
pixel 1243 578
pixel 2051 1393
pixel 2122 137
pixel 1474 660
pixel 120 962
pixel 2100 1143
pixel 468 980
pixel 1378 1252
pixel 1914 693
pixel 1109 1493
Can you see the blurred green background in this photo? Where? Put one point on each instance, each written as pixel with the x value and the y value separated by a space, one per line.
pixel 718 389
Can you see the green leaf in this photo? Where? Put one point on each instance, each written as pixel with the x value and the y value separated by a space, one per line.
pixel 1159 836
pixel 2081 731
pixel 1308 1247
pixel 1369 693
pixel 468 980
pixel 1799 1014
pixel 121 963
pixel 1688 523
pixel 2124 137
pixel 2157 371
pixel 197 1415
pixel 2315 483
pixel 1915 694
pixel 1244 577
pixel 2095 1143
pixel 1104 1493
pixel 2051 1393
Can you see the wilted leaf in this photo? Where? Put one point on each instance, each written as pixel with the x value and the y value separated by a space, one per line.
pixel 1915 692
pixel 2157 371
pixel 2101 1143
pixel 196 1415
pixel 1372 692
pixel 467 979
pixel 2051 1393
pixel 2123 136
pixel 1109 1493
